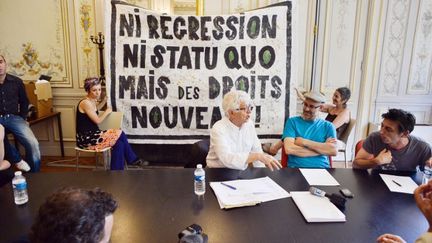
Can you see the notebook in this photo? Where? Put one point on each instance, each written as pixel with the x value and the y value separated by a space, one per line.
pixel 317 209
pixel 241 193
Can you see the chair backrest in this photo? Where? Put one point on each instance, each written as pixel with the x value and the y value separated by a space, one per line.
pixel 344 137
pixel 198 153
pixel 358 146
pixel 112 121
pixel 284 159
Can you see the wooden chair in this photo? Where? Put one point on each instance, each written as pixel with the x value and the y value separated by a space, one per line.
pixel 344 139
pixel 284 159
pixel 112 121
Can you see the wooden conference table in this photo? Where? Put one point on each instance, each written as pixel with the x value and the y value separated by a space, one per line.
pixel 156 204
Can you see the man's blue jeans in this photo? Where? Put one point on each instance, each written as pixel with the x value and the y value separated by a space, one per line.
pixel 22 132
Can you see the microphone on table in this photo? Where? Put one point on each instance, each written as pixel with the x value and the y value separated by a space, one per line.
pixel 336 199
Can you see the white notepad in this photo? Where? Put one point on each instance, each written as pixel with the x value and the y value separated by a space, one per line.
pixel 403 184
pixel 241 193
pixel 319 177
pixel 317 209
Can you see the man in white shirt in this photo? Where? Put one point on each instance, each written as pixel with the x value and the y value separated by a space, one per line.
pixel 233 140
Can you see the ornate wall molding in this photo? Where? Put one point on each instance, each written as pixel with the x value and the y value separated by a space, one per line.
pixel 68 116
pixel 340 41
pixel 342 13
pixel 238 6
pixel 38 41
pixel 419 80
pixel 185 7
pixel 85 26
pixel 394 43
pixel 421 111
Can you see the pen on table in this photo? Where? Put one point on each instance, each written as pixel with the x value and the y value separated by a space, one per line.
pixel 229 186
pixel 397 183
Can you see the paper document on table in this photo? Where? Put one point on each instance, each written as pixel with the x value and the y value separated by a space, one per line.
pixel 240 193
pixel 317 209
pixel 319 177
pixel 403 184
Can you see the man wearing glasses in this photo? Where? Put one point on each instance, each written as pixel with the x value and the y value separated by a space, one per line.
pixel 308 139
pixel 233 140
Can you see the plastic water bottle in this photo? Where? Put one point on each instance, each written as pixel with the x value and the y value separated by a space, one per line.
pixel 199 181
pixel 427 174
pixel 19 185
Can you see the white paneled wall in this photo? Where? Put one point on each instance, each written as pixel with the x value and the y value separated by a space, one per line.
pixel 402 59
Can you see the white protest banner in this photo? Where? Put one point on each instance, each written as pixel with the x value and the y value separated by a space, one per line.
pixel 168 73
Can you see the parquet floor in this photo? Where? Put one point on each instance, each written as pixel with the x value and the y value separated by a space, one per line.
pixel 59 164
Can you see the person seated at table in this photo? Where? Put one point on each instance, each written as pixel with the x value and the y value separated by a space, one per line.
pixel 423 198
pixel 6 173
pixel 338 114
pixel 308 139
pixel 233 140
pixel 393 148
pixel 75 215
pixel 89 136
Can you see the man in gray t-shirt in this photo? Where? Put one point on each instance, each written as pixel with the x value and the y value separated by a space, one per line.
pixel 393 148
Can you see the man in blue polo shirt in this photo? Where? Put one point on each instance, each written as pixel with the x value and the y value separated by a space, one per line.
pixel 309 140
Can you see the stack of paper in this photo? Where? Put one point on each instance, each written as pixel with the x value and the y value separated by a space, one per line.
pixel 317 209
pixel 240 193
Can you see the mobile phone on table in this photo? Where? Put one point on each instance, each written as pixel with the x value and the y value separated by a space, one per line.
pixel 346 193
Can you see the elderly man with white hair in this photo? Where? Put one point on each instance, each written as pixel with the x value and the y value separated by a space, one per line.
pixel 233 140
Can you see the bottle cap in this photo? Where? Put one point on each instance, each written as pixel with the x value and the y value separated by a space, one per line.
pixel 199 166
pixel 18 173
